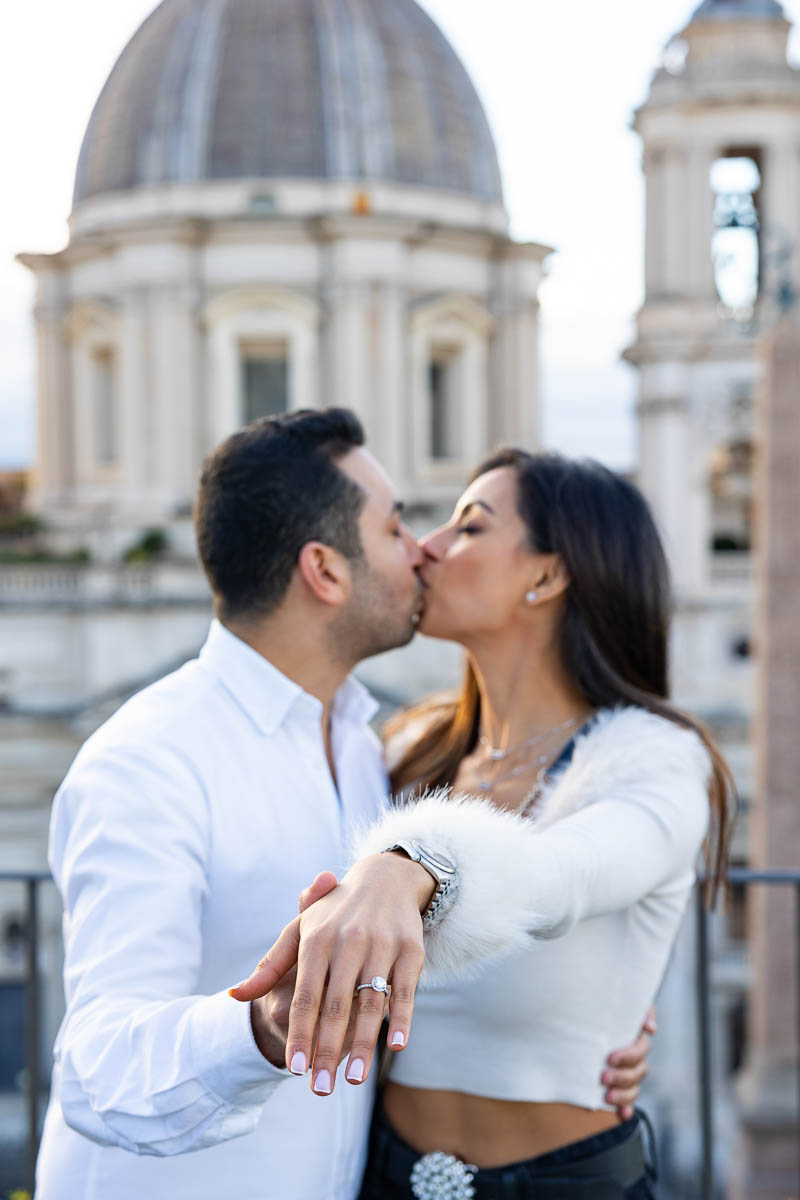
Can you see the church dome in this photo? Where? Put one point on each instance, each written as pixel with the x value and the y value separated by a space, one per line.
pixel 727 10
pixel 361 90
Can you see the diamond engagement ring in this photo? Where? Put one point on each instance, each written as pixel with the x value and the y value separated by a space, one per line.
pixel 377 983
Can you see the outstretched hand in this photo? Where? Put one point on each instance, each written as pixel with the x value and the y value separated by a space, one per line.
pixel 369 926
pixel 269 1014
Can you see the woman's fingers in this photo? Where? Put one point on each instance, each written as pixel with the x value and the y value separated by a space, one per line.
pixel 324 883
pixel 370 1006
pixel 334 1023
pixel 279 959
pixel 371 1013
pixel 405 977
pixel 315 960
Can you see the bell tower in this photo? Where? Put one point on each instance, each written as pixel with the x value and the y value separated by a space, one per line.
pixel 720 132
pixel 720 135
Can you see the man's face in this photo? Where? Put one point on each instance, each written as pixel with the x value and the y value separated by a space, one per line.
pixel 387 593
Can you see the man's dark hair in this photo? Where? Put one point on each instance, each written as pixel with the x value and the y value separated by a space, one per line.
pixel 264 493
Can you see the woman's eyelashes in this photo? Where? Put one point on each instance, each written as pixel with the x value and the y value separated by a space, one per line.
pixel 469 529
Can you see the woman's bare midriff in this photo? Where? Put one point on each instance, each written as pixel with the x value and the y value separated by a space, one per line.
pixel 488 1133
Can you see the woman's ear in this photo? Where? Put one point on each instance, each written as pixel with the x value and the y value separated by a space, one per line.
pixel 325 572
pixel 552 578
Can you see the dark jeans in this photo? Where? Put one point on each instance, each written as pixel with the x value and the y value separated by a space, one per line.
pixel 546 1177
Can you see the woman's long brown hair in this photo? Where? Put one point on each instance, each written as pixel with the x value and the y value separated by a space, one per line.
pixel 614 636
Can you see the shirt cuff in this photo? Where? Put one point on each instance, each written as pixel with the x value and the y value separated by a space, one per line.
pixel 225 1053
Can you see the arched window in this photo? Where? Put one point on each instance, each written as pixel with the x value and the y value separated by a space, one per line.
pixel 104 403
pixel 732 496
pixel 265 378
pixel 446 422
pixel 735 244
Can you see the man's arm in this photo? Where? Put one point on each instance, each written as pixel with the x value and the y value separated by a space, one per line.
pixel 144 1062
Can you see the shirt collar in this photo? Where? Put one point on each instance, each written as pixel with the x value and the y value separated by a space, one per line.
pixel 265 693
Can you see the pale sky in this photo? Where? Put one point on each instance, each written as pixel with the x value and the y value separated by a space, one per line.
pixel 559 80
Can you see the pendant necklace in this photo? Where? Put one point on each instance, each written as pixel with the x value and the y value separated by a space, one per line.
pixel 487 785
pixel 497 754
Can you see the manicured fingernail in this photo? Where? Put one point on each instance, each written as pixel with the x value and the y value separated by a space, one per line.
pixel 398 1038
pixel 627 1113
pixel 612 1097
pixel 298 1064
pixel 355 1070
pixel 607 1077
pixel 613 1059
pixel 322 1083
pixel 236 987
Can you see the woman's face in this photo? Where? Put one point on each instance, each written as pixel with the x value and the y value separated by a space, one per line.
pixel 479 566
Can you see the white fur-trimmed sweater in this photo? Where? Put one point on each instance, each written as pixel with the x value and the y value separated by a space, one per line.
pixel 622 823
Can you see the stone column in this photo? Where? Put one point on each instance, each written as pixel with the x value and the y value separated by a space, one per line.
pixel 655 231
pixel 135 402
pixel 173 399
pixel 780 208
pixel 349 321
pixel 513 396
pixel 700 220
pixel 676 208
pixel 767 1161
pixel 667 473
pixel 55 471
pixel 389 432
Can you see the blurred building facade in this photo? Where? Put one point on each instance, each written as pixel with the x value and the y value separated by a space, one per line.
pixel 720 134
pixel 278 204
pixel 291 203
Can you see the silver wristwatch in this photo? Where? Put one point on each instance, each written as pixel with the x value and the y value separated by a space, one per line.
pixel 443 872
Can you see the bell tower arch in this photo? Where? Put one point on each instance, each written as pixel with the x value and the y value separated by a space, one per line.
pixel 720 132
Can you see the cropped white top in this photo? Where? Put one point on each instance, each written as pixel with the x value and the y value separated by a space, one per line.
pixel 564 920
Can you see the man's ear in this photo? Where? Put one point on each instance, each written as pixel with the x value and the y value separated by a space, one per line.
pixel 553 579
pixel 325 572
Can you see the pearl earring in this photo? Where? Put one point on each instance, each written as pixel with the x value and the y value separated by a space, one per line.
pixel 531 597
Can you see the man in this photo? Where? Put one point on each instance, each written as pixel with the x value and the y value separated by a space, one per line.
pixel 191 821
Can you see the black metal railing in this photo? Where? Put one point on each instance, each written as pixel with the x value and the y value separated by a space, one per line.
pixel 736 876
pixel 31 881
pixel 33 1034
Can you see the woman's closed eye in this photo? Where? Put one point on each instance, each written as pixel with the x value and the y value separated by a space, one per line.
pixel 470 529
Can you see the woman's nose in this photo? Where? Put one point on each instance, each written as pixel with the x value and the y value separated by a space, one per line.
pixel 433 543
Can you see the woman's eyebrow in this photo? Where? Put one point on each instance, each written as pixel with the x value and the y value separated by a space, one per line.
pixel 475 504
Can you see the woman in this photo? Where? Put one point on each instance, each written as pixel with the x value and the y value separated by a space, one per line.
pixel 562 867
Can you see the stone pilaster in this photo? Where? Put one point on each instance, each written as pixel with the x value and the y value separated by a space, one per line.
pixel 767 1161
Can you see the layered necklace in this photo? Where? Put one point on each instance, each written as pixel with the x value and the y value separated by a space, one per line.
pixel 499 754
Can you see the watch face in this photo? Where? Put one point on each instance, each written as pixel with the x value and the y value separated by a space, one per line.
pixel 437 860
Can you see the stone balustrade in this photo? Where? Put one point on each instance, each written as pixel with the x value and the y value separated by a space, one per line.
pixel 53 585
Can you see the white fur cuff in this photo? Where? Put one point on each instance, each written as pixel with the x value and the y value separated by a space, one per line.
pixel 488 917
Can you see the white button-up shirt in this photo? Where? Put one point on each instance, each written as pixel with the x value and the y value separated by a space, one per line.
pixel 180 840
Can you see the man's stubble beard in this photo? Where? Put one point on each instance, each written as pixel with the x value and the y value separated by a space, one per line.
pixel 371 624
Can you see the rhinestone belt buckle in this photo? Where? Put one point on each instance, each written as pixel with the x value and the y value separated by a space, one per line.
pixel 441 1176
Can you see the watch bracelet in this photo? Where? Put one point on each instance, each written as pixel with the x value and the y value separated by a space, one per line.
pixel 441 903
